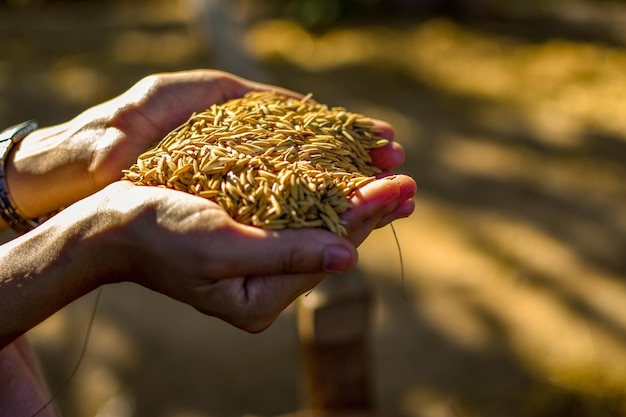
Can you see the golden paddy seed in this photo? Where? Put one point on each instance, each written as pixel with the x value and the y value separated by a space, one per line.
pixel 270 161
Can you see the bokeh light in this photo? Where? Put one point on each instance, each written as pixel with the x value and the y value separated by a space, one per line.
pixel 513 119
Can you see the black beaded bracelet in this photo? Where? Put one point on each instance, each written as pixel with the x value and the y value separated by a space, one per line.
pixel 8 212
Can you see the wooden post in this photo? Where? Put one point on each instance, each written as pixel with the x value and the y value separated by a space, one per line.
pixel 333 323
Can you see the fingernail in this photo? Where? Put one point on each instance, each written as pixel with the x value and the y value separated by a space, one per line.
pixel 338 259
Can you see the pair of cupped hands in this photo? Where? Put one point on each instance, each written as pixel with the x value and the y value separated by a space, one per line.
pixel 180 245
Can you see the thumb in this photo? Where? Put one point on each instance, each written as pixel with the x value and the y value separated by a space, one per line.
pixel 287 252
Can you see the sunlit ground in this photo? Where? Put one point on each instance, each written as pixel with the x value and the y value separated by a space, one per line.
pixel 513 301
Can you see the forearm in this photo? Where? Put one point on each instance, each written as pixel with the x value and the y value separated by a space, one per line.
pixel 47 171
pixel 42 271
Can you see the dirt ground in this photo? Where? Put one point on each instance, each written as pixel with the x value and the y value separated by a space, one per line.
pixel 514 296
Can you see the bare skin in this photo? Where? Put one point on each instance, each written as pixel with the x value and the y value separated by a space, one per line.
pixel 165 240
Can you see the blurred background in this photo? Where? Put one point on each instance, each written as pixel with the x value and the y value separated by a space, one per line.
pixel 513 116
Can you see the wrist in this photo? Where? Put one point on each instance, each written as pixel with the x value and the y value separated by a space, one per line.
pixel 41 173
pixel 9 139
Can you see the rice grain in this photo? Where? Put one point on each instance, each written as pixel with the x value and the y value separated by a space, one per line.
pixel 270 161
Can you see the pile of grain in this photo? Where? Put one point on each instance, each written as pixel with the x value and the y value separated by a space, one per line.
pixel 268 160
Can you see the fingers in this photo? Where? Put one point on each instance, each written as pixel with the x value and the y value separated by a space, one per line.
pixel 386 130
pixel 405 209
pixel 390 156
pixel 296 251
pixel 253 251
pixel 258 299
pixel 377 204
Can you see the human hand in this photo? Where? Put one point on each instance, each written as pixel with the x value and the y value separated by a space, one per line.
pixel 189 249
pixel 56 166
pixel 174 243
pixel 253 302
